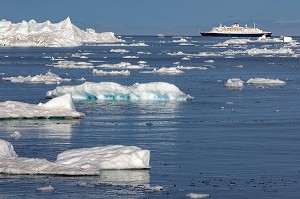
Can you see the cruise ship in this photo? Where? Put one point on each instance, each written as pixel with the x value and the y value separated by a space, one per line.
pixel 236 31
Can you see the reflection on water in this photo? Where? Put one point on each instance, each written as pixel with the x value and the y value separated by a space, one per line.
pixel 48 129
pixel 119 177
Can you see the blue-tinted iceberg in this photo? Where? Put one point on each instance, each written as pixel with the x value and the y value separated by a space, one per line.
pixel 84 161
pixel 154 91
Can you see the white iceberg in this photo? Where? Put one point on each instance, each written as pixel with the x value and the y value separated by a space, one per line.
pixel 62 34
pixel 61 107
pixel 48 78
pixel 154 91
pixel 84 161
pixel 265 81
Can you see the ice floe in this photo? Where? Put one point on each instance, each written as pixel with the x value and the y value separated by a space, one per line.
pixel 197 195
pixel 119 51
pixel 165 70
pixel 154 91
pixel 62 34
pixel 48 78
pixel 234 83
pixel 102 72
pixel 258 82
pixel 61 107
pixel 265 81
pixel 83 161
pixel 122 65
pixel 181 40
pixel 72 64
pixel 45 189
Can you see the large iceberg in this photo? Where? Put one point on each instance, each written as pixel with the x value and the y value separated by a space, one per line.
pixel 62 34
pixel 154 91
pixel 84 161
pixel 61 107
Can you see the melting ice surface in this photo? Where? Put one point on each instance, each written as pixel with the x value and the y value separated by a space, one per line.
pixel 62 34
pixel 84 161
pixel 154 91
pixel 61 107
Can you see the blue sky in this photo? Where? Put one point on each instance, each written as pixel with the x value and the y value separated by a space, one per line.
pixel 150 17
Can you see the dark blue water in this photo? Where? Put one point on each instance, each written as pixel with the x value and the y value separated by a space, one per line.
pixel 229 143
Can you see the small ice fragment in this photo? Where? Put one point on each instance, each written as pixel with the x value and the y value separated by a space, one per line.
pixel 196 195
pixel 153 188
pixel 45 189
pixel 15 135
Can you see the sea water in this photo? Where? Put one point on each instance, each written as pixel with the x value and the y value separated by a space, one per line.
pixel 226 142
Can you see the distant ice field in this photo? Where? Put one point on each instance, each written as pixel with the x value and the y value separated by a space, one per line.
pixel 235 139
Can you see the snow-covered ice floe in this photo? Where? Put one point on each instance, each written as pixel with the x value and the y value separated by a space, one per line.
pixel 265 81
pixel 83 161
pixel 62 34
pixel 72 64
pixel 154 91
pixel 238 83
pixel 48 78
pixel 102 72
pixel 61 107
pixel 123 65
pixel 165 70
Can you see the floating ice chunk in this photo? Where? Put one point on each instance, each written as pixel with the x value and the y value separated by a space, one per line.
pixel 101 72
pixel 185 58
pixel 119 51
pixel 154 91
pixel 62 107
pixel 197 195
pixel 176 53
pixel 265 81
pixel 237 41
pixel 155 188
pixel 287 39
pixel 108 157
pixel 234 83
pixel 123 65
pixel 130 57
pixel 48 78
pixel 256 51
pixel 181 40
pixel 15 135
pixel 84 161
pixel 191 67
pixel 165 70
pixel 72 64
pixel 45 189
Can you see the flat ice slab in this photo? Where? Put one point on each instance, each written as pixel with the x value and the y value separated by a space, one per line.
pixel 48 78
pixel 84 161
pixel 61 107
pixel 154 91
